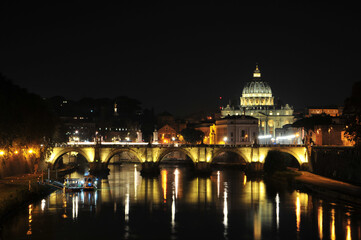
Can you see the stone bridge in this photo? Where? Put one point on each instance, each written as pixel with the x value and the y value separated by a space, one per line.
pixel 152 154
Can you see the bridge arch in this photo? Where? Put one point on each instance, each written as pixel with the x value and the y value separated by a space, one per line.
pixel 166 151
pixel 287 156
pixel 62 152
pixel 122 150
pixel 299 154
pixel 229 150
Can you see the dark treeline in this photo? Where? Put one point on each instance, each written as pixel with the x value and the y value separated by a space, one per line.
pixel 352 113
pixel 25 117
pixel 27 128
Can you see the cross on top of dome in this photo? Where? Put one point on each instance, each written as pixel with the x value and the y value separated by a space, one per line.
pixel 257 72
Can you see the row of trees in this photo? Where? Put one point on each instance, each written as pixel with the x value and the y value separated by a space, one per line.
pixel 25 118
pixel 352 113
pixel 27 128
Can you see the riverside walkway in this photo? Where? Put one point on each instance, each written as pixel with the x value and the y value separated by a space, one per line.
pixel 329 187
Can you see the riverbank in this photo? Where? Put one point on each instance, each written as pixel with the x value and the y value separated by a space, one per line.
pixel 328 187
pixel 18 191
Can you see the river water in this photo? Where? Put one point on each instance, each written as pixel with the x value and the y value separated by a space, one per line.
pixel 176 205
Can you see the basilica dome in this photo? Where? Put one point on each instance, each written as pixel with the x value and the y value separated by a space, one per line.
pixel 257 89
pixel 256 92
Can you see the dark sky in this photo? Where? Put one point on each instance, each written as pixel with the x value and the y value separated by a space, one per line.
pixel 182 57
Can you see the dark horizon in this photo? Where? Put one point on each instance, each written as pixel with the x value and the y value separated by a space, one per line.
pixel 182 58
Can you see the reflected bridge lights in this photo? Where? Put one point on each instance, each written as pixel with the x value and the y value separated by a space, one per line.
pixel 278 211
pixel 30 232
pixel 43 202
pixel 176 182
pixel 163 174
pixel 320 220
pixel 298 212
pixel 225 209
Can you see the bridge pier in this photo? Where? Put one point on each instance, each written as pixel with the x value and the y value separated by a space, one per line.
pixel 150 169
pixel 97 168
pixel 203 168
pixel 254 167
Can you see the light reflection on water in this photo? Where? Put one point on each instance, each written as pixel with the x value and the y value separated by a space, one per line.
pixel 176 205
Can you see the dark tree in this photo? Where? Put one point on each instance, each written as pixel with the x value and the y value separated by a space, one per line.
pixel 311 122
pixel 352 114
pixel 25 117
pixel 192 135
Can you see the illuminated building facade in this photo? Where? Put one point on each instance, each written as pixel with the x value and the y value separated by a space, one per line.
pixel 257 101
pixel 167 134
pixel 331 111
pixel 235 130
pixel 330 135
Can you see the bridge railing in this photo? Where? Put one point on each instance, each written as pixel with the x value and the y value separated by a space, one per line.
pixel 168 145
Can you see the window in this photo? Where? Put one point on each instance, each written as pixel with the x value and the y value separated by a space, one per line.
pixel 243 133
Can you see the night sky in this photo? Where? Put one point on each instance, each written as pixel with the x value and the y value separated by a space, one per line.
pixel 180 57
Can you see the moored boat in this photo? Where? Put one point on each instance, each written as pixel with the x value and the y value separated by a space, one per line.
pixel 90 182
pixel 73 185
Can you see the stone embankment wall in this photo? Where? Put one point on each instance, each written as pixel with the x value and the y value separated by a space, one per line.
pixel 340 163
pixel 15 165
pixel 14 195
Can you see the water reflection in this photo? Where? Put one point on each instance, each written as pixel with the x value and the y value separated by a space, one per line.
pixel 277 211
pixel 163 174
pixel 333 229
pixel 75 207
pixel 298 212
pixel 225 210
pixel 348 229
pixel 177 205
pixel 320 220
pixel 29 232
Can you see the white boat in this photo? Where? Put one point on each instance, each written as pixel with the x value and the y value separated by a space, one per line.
pixel 73 184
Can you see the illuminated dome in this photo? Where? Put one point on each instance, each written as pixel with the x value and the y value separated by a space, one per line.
pixel 257 89
pixel 256 92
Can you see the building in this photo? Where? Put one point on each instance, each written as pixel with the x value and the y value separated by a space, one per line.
pixel 167 134
pixel 331 111
pixel 332 134
pixel 235 130
pixel 257 101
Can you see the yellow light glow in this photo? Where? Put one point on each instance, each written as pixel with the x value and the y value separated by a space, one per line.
pixel 176 182
pixel 30 151
pixel 2 153
pixel 164 183
pixel 298 212
pixel 333 230
pixel 16 152
pixel 320 222
pixel 348 230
